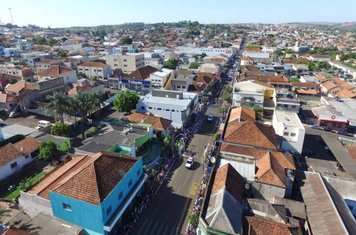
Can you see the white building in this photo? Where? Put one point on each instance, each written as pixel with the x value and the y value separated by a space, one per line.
pixel 308 78
pixel 15 156
pixel 173 105
pixel 288 126
pixel 209 51
pixel 159 79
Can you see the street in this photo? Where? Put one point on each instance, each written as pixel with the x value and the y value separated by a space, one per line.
pixel 168 212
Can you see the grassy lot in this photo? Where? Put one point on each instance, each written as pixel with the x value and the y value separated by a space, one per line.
pixel 29 182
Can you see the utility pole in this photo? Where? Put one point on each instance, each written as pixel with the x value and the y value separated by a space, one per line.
pixel 12 19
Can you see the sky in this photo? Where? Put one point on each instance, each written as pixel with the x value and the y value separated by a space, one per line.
pixel 65 13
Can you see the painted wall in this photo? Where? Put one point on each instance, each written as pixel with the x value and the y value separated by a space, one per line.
pixel 6 170
pixel 90 216
pixel 113 200
pixel 82 213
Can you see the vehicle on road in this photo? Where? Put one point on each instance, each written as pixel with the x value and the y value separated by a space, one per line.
pixel 210 117
pixel 43 124
pixel 316 127
pixel 190 162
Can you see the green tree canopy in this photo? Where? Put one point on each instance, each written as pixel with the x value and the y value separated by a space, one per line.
pixel 47 150
pixel 126 101
pixel 171 63
pixel 126 41
pixel 194 65
pixel 60 128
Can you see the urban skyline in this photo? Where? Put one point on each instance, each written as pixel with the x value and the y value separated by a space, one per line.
pixel 111 13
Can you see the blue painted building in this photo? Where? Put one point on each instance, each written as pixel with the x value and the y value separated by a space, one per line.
pixel 97 194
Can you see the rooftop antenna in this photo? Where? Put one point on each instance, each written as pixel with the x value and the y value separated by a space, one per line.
pixel 12 19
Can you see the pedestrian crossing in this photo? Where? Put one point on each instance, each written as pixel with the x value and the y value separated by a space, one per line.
pixel 154 227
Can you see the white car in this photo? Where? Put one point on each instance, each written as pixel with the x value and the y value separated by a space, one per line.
pixel 210 117
pixel 189 163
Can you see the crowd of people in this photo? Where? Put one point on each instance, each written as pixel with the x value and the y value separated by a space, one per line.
pixel 192 227
pixel 132 214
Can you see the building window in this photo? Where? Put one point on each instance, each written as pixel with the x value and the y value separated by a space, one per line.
pixel 120 195
pixel 108 210
pixel 149 107
pixel 143 107
pixel 159 109
pixel 138 172
pixel 168 110
pixel 334 124
pixel 285 133
pixel 67 207
pixel 26 156
pixel 292 134
pixel 13 165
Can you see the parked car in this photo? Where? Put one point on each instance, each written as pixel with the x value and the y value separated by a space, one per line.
pixel 190 162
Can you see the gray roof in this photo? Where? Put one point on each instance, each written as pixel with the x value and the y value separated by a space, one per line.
pixel 296 209
pixel 16 129
pixel 224 212
pixel 43 224
pixel 325 215
pixel 341 155
pixel 276 212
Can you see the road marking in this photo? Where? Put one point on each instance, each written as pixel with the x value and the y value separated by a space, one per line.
pixel 193 189
pixel 142 226
pixel 154 228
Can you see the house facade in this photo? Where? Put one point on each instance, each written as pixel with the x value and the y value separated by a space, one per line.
pixel 16 156
pixel 288 126
pixel 95 69
pixel 95 197
pixel 172 105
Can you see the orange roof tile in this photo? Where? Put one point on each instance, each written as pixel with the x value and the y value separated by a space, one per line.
pixel 97 178
pixel 329 85
pixel 8 153
pixel 27 145
pixel 271 164
pixel 227 177
pixel 345 93
pixel 252 134
pixel 54 71
pixel 242 114
pixel 259 226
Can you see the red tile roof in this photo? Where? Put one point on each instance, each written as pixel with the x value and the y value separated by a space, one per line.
pixel 205 78
pixel 27 145
pixel 8 153
pixel 261 226
pixel 158 123
pixel 15 231
pixel 242 114
pixel 251 134
pixel 271 164
pixel 141 73
pixel 55 71
pixel 96 179
pixel 227 177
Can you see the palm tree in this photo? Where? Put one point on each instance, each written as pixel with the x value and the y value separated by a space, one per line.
pixel 84 107
pixel 97 102
pixel 58 102
pixel 72 109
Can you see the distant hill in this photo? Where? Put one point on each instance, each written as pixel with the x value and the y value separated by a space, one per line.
pixel 344 26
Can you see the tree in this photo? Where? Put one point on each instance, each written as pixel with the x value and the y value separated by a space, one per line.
pixel 167 140
pixel 171 63
pixel 126 101
pixel 51 42
pixel 98 99
pixel 126 41
pixel 61 53
pixel 60 128
pixel 194 65
pixel 84 107
pixel 47 150
pixel 58 102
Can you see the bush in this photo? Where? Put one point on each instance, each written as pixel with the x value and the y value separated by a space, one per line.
pixel 47 150
pixel 60 128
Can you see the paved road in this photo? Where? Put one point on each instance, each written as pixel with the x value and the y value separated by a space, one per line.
pixel 168 212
